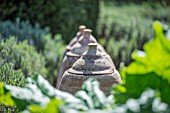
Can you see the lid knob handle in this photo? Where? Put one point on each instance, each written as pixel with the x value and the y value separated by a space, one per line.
pixel 82 27
pixel 93 46
pixel 87 31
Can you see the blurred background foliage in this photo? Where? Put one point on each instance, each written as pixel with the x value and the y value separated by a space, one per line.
pixel 33 49
pixel 23 30
pixel 33 36
pixel 22 56
pixel 114 23
pixel 62 16
pixel 132 23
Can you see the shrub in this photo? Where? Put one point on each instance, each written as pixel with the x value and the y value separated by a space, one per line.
pixel 23 30
pixel 129 39
pixel 62 16
pixel 128 27
pixel 10 76
pixel 162 2
pixel 51 48
pixel 22 56
pixel 53 53
pixel 6 102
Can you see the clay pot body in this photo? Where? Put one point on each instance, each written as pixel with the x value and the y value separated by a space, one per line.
pixel 75 39
pixel 107 56
pixel 68 61
pixel 73 55
pixel 91 64
pixel 76 51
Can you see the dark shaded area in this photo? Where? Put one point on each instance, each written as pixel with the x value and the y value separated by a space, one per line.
pixel 62 16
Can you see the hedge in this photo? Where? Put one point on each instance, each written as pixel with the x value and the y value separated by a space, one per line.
pixel 62 16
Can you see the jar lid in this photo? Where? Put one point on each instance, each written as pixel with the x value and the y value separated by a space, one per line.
pixel 87 31
pixel 82 27
pixel 77 50
pixel 82 44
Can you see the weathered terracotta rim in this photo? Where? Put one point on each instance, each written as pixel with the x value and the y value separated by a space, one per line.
pixel 72 54
pixel 68 47
pixel 72 71
pixel 82 27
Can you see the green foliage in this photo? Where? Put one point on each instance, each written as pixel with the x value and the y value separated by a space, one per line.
pixel 51 107
pixel 136 35
pixel 62 16
pixel 41 39
pixel 139 2
pixel 166 31
pixel 53 52
pixel 23 30
pixel 51 92
pixel 150 68
pixel 5 98
pixel 92 96
pixel 38 96
pixel 149 102
pixel 10 76
pixel 6 102
pixel 38 92
pixel 127 27
pixel 22 56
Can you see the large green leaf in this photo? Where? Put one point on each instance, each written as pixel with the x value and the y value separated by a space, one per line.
pixel 151 67
pixel 51 107
pixel 30 94
pixel 156 56
pixel 92 95
pixel 38 92
pixel 5 98
pixel 51 92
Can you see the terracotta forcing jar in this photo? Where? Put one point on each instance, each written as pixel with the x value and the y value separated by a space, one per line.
pixel 91 64
pixel 75 52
